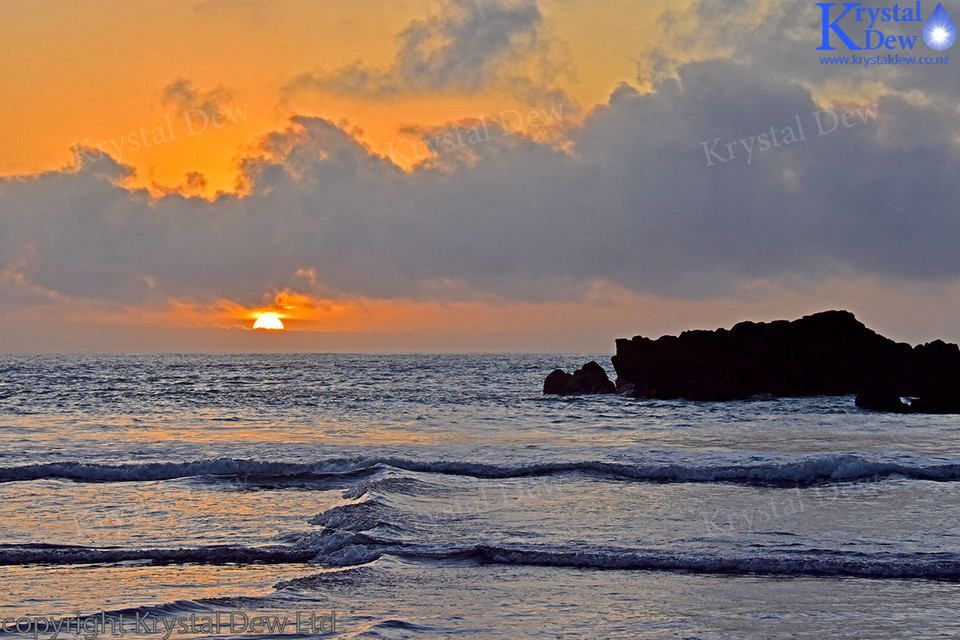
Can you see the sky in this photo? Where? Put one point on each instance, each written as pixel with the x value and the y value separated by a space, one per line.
pixel 467 175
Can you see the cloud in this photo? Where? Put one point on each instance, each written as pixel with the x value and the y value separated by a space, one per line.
pixel 775 36
pixel 468 47
pixel 630 200
pixel 193 183
pixel 184 96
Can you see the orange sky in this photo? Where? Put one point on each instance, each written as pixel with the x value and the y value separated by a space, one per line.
pixel 104 66
pixel 90 74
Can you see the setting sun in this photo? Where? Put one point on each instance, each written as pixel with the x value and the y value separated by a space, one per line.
pixel 268 321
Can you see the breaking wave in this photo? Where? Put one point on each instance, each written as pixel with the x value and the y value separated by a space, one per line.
pixel 794 473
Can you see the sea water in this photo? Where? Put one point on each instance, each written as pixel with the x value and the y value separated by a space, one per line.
pixel 435 496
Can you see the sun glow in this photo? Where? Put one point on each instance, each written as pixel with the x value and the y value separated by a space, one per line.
pixel 269 321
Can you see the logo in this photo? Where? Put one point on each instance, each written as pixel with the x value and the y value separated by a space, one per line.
pixel 939 32
pixel 860 28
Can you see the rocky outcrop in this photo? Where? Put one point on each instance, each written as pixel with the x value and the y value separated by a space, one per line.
pixel 880 399
pixel 940 399
pixel 588 379
pixel 829 353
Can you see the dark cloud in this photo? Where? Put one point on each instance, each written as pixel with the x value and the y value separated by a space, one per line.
pixel 782 37
pixel 469 46
pixel 631 199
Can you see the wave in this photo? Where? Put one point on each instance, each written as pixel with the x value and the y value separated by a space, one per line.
pixel 392 484
pixel 796 473
pixel 928 566
pixel 342 549
pixel 808 471
pixel 227 468
pixel 51 554
pixel 353 535
pixel 359 516
pixel 345 550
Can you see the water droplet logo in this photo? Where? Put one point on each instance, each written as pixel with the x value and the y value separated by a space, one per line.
pixel 939 32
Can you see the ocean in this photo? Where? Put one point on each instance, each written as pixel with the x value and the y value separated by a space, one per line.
pixel 443 496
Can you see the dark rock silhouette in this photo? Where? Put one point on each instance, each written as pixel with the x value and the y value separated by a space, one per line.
pixel 878 398
pixel 829 353
pixel 939 398
pixel 588 379
pixel 557 382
